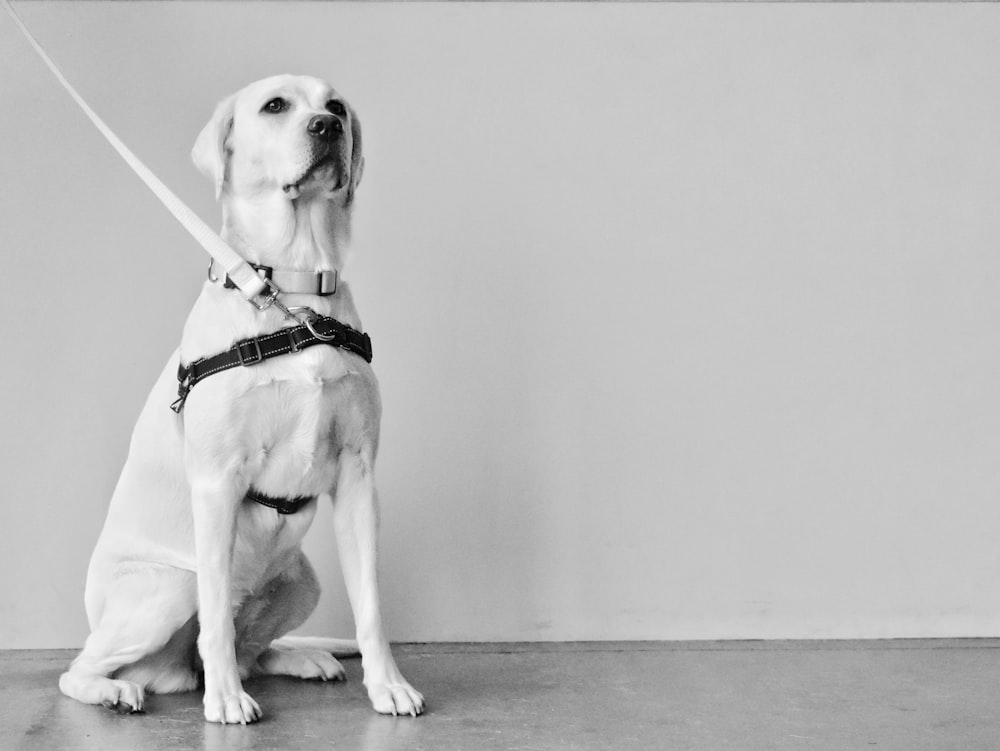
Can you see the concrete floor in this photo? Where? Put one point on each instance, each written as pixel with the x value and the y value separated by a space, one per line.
pixel 933 694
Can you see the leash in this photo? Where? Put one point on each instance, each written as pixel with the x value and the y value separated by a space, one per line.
pixel 314 329
pixel 261 291
pixel 241 273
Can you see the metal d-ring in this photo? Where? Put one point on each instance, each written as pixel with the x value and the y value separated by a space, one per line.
pixel 307 319
pixel 321 337
pixel 212 279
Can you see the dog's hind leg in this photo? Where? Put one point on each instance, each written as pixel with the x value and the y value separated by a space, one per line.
pixel 170 670
pixel 144 606
pixel 283 604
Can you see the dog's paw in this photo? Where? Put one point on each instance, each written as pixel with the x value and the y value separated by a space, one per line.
pixel 235 709
pixel 310 664
pixel 123 697
pixel 396 698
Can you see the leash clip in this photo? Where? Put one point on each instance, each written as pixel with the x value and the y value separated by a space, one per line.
pixel 271 298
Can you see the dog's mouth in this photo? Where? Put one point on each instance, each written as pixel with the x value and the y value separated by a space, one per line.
pixel 294 190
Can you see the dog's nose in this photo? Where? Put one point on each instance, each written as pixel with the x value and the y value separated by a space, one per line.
pixel 325 126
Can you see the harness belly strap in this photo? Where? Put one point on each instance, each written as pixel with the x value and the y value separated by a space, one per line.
pixel 247 352
pixel 281 505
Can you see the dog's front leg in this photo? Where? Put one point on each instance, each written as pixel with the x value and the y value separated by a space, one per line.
pixel 215 503
pixel 356 523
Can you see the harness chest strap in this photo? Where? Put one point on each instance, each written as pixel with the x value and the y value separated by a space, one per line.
pixel 251 351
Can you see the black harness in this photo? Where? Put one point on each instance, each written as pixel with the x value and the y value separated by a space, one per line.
pixel 247 352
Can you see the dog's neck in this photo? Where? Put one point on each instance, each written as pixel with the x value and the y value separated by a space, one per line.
pixel 310 233
pixel 306 234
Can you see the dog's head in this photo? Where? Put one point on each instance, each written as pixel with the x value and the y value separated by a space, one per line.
pixel 290 134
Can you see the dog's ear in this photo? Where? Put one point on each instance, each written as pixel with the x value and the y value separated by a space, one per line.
pixel 357 157
pixel 209 152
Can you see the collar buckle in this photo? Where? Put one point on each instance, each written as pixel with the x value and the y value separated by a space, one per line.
pixel 322 277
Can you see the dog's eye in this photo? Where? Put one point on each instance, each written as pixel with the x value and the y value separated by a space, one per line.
pixel 336 108
pixel 275 106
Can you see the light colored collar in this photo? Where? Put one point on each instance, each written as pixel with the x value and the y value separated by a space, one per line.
pixel 322 283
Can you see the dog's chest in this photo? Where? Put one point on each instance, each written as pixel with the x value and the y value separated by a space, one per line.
pixel 300 418
pixel 295 451
pixel 295 425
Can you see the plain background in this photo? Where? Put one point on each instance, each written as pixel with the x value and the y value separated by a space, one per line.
pixel 686 316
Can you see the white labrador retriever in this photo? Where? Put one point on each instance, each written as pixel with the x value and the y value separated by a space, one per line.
pixel 189 574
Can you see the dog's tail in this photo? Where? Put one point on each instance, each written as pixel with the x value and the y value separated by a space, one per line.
pixel 336 647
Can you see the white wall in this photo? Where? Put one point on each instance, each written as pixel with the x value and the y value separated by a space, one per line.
pixel 686 315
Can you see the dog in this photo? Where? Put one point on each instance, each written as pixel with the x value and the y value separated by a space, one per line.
pixel 191 575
